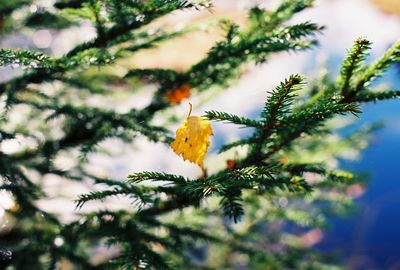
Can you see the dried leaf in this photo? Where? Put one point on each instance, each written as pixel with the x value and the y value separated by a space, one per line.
pixel 192 139
pixel 230 164
pixel 177 95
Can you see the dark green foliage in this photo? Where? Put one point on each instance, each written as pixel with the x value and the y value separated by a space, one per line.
pixel 377 69
pixel 6 7
pixel 353 85
pixel 353 63
pixel 41 19
pixel 279 103
pixel 375 96
pixel 222 116
pixel 24 58
pixel 61 4
pixel 172 217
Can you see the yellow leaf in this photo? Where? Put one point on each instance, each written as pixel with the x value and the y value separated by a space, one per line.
pixel 192 139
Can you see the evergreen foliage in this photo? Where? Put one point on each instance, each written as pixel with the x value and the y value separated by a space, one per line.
pixel 173 218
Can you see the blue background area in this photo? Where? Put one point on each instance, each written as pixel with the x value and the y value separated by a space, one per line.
pixel 370 239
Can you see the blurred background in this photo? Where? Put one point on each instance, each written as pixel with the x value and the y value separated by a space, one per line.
pixel 369 238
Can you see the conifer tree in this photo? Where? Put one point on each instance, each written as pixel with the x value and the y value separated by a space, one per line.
pixel 225 216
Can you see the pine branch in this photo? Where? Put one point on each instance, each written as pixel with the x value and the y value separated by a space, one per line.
pixel 163 76
pixel 249 173
pixel 279 102
pixel 151 11
pixel 287 9
pixel 263 21
pixel 379 67
pixel 307 121
pixel 100 124
pixel 56 68
pixel 152 40
pixel 155 176
pixel 224 60
pixel 132 191
pixel 24 58
pixel 149 258
pixel 322 111
pixel 330 175
pixel 368 96
pixel 241 142
pixel 181 230
pixel 238 120
pixel 352 63
pixel 234 54
pixel 311 118
pixel 231 204
pixel 301 30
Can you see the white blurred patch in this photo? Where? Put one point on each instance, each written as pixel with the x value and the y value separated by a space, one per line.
pixel 6 201
pixel 346 20
pixel 42 39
